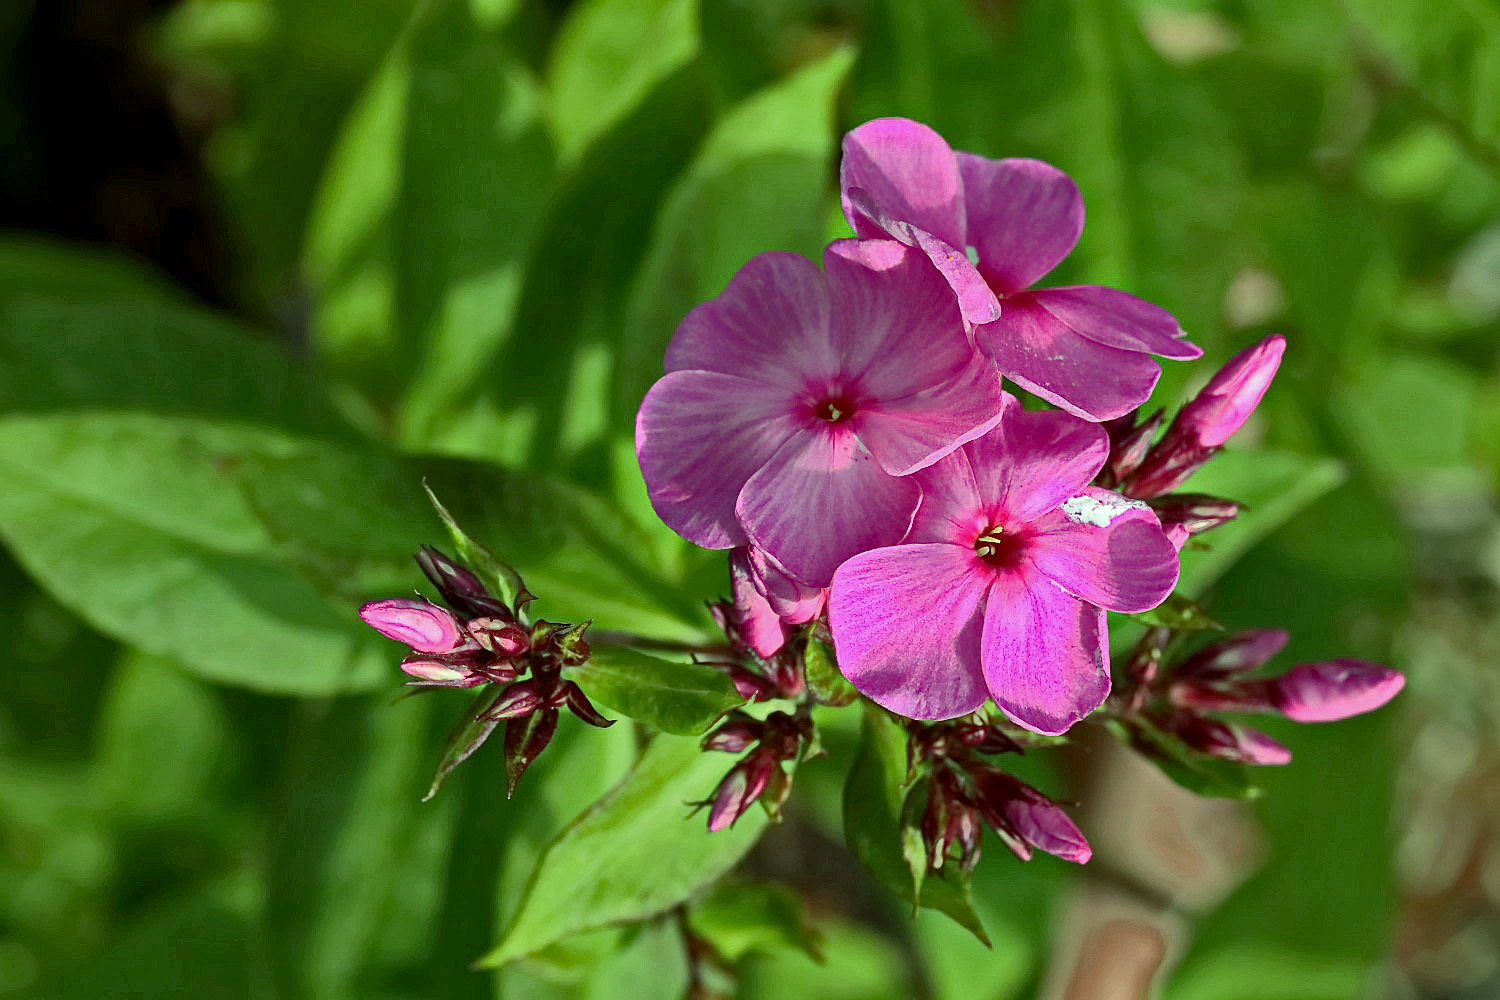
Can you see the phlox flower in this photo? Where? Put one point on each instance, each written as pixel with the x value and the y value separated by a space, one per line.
pixel 795 399
pixel 1085 348
pixel 1000 588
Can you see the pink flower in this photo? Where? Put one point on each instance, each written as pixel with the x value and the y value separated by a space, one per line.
pixel 1083 347
pixel 1334 689
pixel 767 600
pixel 1000 588
pixel 794 401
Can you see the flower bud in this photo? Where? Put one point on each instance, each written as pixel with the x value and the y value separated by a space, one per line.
pixel 521 698
pixel 439 674
pixel 579 704
pixel 1026 819
pixel 498 636
pixel 1195 513
pixel 1229 742
pixel 424 627
pixel 1128 444
pixel 739 790
pixel 463 591
pixel 1224 405
pixel 1241 652
pixel 1334 689
pixel 740 733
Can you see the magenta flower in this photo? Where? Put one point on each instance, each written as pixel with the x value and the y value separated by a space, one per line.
pixel 1084 347
pixel 1000 588
pixel 794 401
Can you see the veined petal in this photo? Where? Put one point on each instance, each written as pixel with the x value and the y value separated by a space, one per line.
pixel 699 437
pixel 912 432
pixel 952 509
pixel 822 498
pixel 1035 460
pixel 1024 216
pixel 1106 550
pixel 1046 653
pixel 1118 319
pixel 770 324
pixel 1042 354
pixel 907 627
pixel 791 599
pixel 908 172
pixel 757 621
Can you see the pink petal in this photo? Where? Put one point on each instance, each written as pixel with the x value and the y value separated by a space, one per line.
pixel 758 623
pixel 700 436
pixel 906 628
pixel 792 600
pixel 1335 689
pixel 822 498
pixel 1211 417
pixel 908 172
pixel 952 509
pixel 769 325
pixel 1106 550
pixel 923 390
pixel 1024 217
pixel 425 627
pixel 1043 355
pixel 1118 319
pixel 1035 460
pixel 1046 653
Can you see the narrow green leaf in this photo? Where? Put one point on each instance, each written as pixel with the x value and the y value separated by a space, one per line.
pixel 467 736
pixel 1179 612
pixel 674 697
pixel 504 581
pixel 873 799
pixel 756 918
pixel 1194 771
pixel 632 855
pixel 823 678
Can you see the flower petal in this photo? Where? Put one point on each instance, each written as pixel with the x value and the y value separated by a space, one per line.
pixel 1126 563
pixel 1335 689
pixel 699 437
pixel 906 628
pixel 1042 354
pixel 1046 653
pixel 1118 319
pixel 758 623
pixel 1024 217
pixel 907 172
pixel 952 509
pixel 770 324
pixel 1035 460
pixel 822 498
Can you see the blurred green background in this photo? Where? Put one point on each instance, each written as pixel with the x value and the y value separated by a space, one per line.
pixel 261 253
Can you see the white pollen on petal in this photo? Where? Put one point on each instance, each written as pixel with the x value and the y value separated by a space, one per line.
pixel 1098 512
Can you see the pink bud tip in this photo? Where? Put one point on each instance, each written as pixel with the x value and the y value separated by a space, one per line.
pixel 1232 394
pixel 1335 689
pixel 1046 827
pixel 438 672
pixel 425 627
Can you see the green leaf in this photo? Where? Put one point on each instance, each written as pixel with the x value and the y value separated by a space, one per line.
pixel 634 854
pixel 675 697
pixel 759 182
pixel 1181 613
pixel 1271 486
pixel 607 57
pixel 160 551
pixel 741 919
pixel 873 799
pixel 1194 771
pixel 502 579
pixel 823 677
pixel 467 736
pixel 135 354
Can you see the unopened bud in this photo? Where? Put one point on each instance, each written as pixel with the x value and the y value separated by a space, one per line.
pixel 1026 819
pixel 1229 742
pixel 1195 513
pixel 1241 652
pixel 437 673
pixel 737 735
pixel 498 636
pixel 424 627
pixel 463 591
pixel 1128 444
pixel 740 788
pixel 521 698
pixel 1224 405
pixel 1334 689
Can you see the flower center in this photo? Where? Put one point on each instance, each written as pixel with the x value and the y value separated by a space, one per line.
pixel 835 409
pixel 995 547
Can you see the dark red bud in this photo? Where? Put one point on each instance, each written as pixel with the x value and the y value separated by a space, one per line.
pixel 1128 445
pixel 740 733
pixel 521 698
pixel 1194 512
pixel 498 636
pixel 1241 652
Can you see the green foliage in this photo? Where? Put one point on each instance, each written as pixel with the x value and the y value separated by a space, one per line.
pixel 674 697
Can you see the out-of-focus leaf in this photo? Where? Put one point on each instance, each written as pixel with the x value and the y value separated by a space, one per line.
pixel 160 551
pixel 746 918
pixel 504 582
pixel 873 798
pixel 1271 487
pixel 424 217
pixel 342 838
pixel 1196 772
pixel 674 697
pixel 467 736
pixel 632 855
pixel 823 677
pixel 34 267
pixel 1178 612
pixel 350 520
pixel 858 964
pixel 1277 974
pixel 607 56
pixel 1381 404
pixel 138 354
pixel 758 183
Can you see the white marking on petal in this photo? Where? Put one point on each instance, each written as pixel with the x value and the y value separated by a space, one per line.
pixel 1096 511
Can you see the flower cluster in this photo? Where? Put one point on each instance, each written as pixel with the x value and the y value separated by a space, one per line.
pixel 483 640
pixel 846 432
pixel 1184 695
